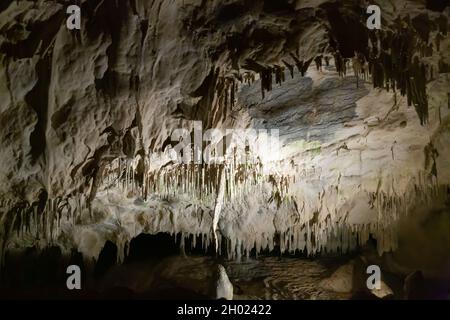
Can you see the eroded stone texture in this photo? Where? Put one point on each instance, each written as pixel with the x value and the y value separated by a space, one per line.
pixel 78 108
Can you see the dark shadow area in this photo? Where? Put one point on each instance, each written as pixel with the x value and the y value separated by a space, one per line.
pixel 106 259
pixel 437 5
pixel 147 246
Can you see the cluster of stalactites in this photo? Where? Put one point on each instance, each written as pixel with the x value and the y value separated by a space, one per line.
pixel 396 63
pixel 335 234
pixel 313 239
pixel 268 73
pixel 40 224
pixel 278 71
pixel 302 65
pixel 191 241
pixel 394 67
pixel 199 182
pixel 226 89
pixel 303 231
pixel 226 86
pixel 398 59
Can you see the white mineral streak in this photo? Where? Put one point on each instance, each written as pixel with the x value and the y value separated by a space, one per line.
pixel 218 208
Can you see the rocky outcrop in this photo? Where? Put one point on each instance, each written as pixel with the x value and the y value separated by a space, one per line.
pixel 340 281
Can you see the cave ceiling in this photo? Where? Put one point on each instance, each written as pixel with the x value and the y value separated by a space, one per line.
pixel 83 114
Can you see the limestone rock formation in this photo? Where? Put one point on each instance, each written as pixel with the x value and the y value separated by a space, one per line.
pixel 87 117
pixel 341 280
pixel 224 288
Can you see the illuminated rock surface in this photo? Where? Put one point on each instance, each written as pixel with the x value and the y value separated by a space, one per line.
pixel 85 114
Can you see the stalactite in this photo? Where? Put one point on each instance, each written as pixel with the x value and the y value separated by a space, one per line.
pixel 298 63
pixel 392 66
pixel 266 81
pixel 279 75
pixel 249 78
pixel 290 68
pixel 302 66
pixel 318 62
pixel 339 63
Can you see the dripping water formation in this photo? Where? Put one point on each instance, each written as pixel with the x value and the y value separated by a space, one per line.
pixel 225 150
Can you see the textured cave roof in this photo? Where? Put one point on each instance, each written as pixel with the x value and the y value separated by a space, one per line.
pixel 73 100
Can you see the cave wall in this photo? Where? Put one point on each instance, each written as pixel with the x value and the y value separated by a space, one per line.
pixel 74 101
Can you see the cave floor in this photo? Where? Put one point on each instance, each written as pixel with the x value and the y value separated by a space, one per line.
pixel 192 277
pixel 262 278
